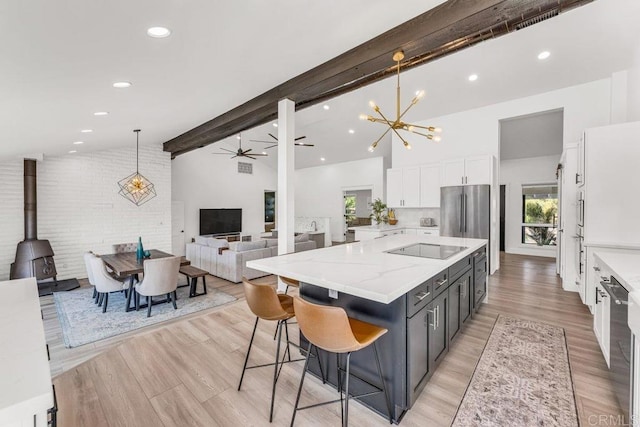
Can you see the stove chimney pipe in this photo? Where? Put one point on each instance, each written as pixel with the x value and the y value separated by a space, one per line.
pixel 30 201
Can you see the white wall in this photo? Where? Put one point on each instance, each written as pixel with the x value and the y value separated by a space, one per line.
pixel 476 132
pixel 633 94
pixel 79 208
pixel 319 190
pixel 204 180
pixel 514 174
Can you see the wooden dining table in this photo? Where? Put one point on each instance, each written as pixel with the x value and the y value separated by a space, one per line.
pixel 126 264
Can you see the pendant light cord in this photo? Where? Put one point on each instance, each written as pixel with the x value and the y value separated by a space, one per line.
pixel 137 131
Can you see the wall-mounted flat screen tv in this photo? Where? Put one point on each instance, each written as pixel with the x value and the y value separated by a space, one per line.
pixel 220 221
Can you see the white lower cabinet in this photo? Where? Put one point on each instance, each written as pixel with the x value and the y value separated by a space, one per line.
pixel 602 319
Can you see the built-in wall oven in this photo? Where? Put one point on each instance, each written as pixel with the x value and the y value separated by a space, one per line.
pixel 620 343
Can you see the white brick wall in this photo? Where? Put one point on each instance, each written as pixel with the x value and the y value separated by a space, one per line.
pixel 79 208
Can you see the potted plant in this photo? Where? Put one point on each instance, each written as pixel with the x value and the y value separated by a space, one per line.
pixel 379 212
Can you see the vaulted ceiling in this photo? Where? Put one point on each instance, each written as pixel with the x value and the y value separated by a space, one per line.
pixel 58 64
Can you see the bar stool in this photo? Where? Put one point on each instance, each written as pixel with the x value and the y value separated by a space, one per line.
pixel 289 282
pixel 330 329
pixel 266 304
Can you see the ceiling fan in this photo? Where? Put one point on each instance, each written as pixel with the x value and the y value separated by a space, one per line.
pixel 241 152
pixel 301 144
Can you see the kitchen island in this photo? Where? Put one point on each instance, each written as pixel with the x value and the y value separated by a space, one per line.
pixel 423 302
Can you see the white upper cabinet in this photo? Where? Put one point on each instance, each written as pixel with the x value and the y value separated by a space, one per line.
pixel 403 187
pixel 430 186
pixel 452 172
pixel 394 188
pixel 469 171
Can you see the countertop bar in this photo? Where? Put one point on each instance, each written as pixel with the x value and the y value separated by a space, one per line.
pixel 25 378
pixel 388 227
pixel 363 269
pixel 625 266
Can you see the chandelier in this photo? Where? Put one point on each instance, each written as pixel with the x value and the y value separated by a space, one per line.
pixel 398 124
pixel 136 188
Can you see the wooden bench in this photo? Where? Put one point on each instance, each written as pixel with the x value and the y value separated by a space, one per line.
pixel 192 274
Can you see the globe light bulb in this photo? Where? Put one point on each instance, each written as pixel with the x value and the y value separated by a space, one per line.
pixel 363 117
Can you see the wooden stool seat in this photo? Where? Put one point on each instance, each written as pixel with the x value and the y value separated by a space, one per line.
pixel 193 273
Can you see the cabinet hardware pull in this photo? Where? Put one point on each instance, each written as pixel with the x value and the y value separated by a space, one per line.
pixel 437 316
pixel 433 325
pixel 422 295
pixel 440 282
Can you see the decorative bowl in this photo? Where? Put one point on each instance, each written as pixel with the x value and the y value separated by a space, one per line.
pixel 393 221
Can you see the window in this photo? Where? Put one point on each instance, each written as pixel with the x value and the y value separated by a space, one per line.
pixel 539 214
pixel 349 207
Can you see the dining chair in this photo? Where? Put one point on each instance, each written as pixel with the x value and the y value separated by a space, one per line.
pixel 121 248
pixel 103 281
pixel 87 263
pixel 160 278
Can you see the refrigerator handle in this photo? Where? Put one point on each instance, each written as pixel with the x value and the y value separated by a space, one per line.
pixel 461 212
pixel 465 213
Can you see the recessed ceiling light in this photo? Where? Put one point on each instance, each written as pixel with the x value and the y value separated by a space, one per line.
pixel 78 142
pixel 72 151
pixel 158 32
pixel 121 85
pixel 101 113
pixel 473 77
pixel 237 136
pixel 544 54
pixel 86 130
pixel 326 107
pixel 322 159
pixel 275 125
pixel 351 131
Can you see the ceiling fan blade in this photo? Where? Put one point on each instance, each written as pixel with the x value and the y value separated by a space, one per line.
pixel 260 140
pixel 271 146
pixel 224 149
pixel 300 137
pixel 271 135
pixel 233 157
pixel 302 144
pixel 246 151
pixel 261 155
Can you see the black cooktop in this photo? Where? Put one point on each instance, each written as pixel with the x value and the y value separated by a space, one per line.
pixel 425 250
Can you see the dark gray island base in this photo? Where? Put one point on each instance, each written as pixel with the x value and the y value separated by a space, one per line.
pixel 421 323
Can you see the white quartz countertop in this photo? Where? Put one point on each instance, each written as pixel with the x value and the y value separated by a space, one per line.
pixel 25 378
pixel 387 227
pixel 363 269
pixel 626 268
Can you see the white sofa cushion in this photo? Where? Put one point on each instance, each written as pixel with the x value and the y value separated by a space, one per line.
pixel 247 246
pixel 218 243
pixel 271 243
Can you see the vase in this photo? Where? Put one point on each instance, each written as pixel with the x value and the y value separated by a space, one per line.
pixel 139 250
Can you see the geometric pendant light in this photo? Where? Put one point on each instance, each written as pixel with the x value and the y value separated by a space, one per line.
pixel 136 188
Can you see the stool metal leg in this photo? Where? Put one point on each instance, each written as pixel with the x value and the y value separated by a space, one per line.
pixel 384 387
pixel 246 359
pixel 340 387
pixel 346 392
pixel 304 372
pixel 275 370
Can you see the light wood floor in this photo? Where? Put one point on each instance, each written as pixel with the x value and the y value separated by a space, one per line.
pixel 185 373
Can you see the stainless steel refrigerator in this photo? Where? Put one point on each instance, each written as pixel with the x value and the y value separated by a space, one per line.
pixel 465 211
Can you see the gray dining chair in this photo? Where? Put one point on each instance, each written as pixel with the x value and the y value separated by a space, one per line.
pixel 87 263
pixel 104 283
pixel 160 278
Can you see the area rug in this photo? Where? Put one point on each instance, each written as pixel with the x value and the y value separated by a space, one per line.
pixel 522 379
pixel 83 322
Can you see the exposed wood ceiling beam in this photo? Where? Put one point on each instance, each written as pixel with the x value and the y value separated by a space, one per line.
pixel 453 25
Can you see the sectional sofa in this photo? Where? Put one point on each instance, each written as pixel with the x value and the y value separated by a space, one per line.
pixel 228 260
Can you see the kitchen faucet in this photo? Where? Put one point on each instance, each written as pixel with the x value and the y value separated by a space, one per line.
pixel 314 225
